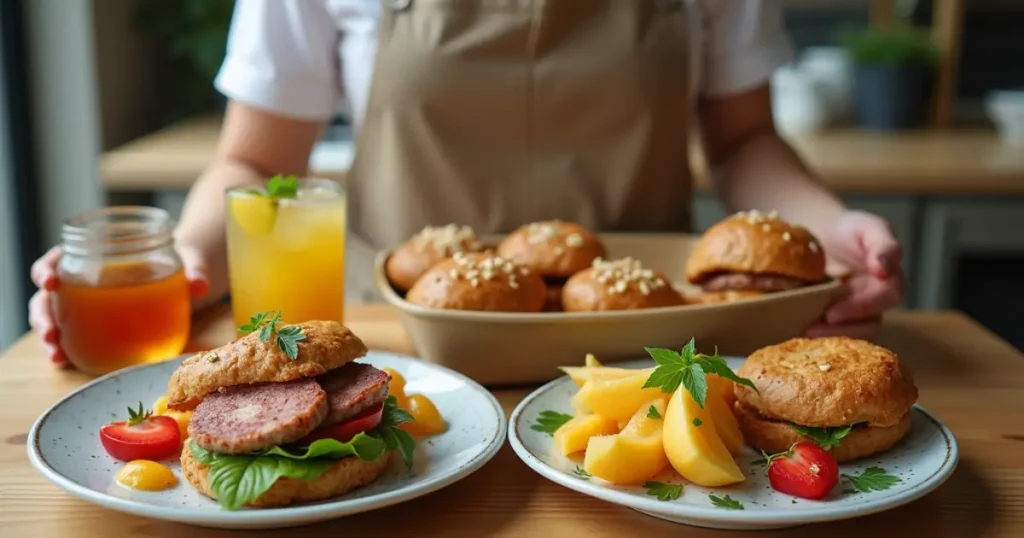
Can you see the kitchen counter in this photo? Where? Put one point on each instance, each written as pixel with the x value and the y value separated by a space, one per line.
pixel 849 161
pixel 967 377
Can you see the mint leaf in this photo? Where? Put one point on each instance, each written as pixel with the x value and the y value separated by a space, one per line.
pixel 689 350
pixel 652 412
pixel 872 479
pixel 826 438
pixel 669 373
pixel 664 492
pixel 665 357
pixel 726 502
pixel 283 187
pixel 549 421
pixel 696 384
pixel 714 364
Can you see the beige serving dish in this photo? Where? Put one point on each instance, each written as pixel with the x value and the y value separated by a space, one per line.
pixel 497 348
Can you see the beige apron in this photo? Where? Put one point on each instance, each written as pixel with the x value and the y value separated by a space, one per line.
pixel 496 113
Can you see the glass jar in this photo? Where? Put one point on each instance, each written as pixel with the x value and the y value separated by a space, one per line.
pixel 123 297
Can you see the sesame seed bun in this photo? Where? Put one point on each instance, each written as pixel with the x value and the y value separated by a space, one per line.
pixel 828 382
pixel 342 476
pixel 426 249
pixel 773 436
pixel 554 249
pixel 479 281
pixel 618 285
pixel 328 345
pixel 758 244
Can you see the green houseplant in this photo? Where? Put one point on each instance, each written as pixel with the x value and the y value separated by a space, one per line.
pixel 894 69
pixel 193 35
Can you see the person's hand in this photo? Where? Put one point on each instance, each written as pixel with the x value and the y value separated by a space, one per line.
pixel 863 245
pixel 44 274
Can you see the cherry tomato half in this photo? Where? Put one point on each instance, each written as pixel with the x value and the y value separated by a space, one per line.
pixel 152 439
pixel 345 431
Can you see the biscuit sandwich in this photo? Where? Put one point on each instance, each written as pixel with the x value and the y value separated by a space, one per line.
pixel 430 246
pixel 285 415
pixel 752 253
pixel 554 249
pixel 849 396
pixel 623 284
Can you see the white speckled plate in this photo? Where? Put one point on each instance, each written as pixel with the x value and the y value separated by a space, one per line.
pixel 64 446
pixel 923 460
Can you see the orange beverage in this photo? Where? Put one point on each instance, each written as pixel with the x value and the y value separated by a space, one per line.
pixel 287 253
pixel 123 297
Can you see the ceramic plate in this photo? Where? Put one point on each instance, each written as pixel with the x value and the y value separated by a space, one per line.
pixel 922 461
pixel 65 447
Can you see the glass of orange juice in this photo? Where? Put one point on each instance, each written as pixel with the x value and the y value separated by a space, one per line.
pixel 286 250
pixel 123 297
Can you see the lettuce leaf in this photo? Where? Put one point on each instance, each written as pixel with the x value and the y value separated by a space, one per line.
pixel 238 479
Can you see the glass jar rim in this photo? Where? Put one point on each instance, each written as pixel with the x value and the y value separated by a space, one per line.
pixel 336 189
pixel 117 230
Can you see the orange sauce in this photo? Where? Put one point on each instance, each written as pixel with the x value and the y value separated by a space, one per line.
pixel 132 313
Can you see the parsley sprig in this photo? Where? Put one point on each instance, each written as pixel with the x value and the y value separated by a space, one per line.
pixel 872 479
pixel 689 369
pixel 137 416
pixel 726 502
pixel 664 492
pixel 287 338
pixel 549 421
pixel 826 438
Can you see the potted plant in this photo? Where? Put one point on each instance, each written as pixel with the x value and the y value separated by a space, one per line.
pixel 894 70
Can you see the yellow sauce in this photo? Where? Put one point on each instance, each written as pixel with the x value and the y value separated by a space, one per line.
pixel 426 418
pixel 146 475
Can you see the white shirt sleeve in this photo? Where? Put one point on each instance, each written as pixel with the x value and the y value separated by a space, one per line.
pixel 282 56
pixel 744 42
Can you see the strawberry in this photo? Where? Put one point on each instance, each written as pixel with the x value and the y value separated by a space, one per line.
pixel 805 470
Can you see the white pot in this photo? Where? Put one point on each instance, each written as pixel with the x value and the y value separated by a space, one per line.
pixel 1006 109
pixel 798 102
pixel 832 71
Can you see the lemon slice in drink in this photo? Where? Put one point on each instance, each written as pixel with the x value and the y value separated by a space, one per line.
pixel 254 213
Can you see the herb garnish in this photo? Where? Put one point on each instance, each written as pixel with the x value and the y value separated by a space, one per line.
pixel 872 479
pixel 664 492
pixel 549 421
pixel 287 338
pixel 283 186
pixel 582 474
pixel 689 369
pixel 726 502
pixel 652 412
pixel 826 438
pixel 697 422
pixel 135 417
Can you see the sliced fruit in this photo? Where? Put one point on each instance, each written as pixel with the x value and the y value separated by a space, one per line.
pixel 573 436
pixel 632 456
pixel 426 419
pixel 617 399
pixel 805 470
pixel 582 374
pixel 724 387
pixel 726 426
pixel 148 438
pixel 146 475
pixel 254 213
pixel 591 360
pixel 160 405
pixel 694 447
pixel 182 418
pixel 396 388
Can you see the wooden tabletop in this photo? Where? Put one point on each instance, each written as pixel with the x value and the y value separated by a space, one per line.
pixel 967 376
pixel 850 161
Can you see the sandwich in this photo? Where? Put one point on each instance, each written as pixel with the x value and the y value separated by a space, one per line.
pixel 285 415
pixel 849 396
pixel 753 253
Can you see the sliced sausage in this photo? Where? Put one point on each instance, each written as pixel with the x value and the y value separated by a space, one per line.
pixel 747 281
pixel 352 389
pixel 247 418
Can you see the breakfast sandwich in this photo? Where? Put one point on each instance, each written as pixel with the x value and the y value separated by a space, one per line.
pixel 284 414
pixel 849 396
pixel 554 249
pixel 430 246
pixel 479 281
pixel 752 253
pixel 623 284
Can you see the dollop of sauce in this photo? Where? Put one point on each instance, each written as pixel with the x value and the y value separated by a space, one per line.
pixel 146 475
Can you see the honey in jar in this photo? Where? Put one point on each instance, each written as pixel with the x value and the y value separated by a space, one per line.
pixel 123 297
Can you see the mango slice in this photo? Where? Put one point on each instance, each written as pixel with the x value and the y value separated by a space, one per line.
pixel 723 387
pixel 573 436
pixel 582 374
pixel 726 426
pixel 697 452
pixel 617 399
pixel 634 455
pixel 591 360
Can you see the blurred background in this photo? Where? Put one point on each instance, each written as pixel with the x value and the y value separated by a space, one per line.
pixel 111 102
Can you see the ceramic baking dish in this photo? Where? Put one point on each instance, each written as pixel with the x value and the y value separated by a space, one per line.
pixel 508 348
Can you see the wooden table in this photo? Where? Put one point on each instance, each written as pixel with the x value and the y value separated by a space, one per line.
pixel 967 376
pixel 968 161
